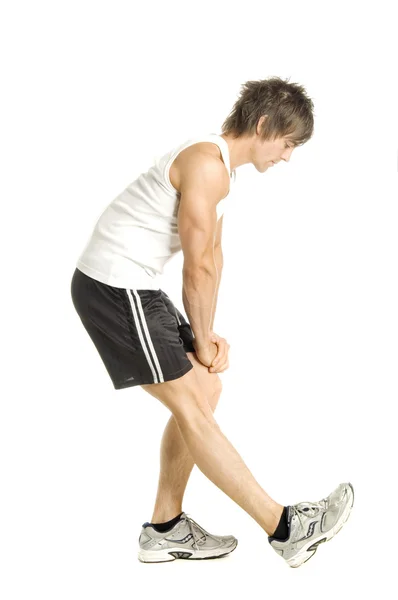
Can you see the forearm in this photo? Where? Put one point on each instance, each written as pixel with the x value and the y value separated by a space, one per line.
pixel 219 264
pixel 199 290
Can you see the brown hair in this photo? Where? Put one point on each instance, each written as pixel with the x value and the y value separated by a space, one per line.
pixel 289 110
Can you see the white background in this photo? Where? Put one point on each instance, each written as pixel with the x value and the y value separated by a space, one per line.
pixel 92 92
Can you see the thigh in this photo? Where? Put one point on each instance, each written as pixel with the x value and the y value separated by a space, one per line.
pixel 209 382
pixel 184 396
pixel 195 391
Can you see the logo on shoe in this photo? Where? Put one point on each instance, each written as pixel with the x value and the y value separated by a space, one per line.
pixel 183 541
pixel 310 531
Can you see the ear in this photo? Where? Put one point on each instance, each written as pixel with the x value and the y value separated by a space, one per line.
pixel 260 122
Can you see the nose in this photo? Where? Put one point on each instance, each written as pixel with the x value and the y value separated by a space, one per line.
pixel 286 154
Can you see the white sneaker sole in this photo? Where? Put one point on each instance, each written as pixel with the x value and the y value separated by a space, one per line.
pixel 302 556
pixel 157 556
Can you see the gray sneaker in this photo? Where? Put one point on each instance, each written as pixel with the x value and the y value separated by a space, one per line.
pixel 312 523
pixel 186 540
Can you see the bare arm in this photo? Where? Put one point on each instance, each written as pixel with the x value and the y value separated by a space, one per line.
pixel 218 261
pixel 218 257
pixel 204 182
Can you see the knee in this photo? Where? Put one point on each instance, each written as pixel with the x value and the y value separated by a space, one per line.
pixel 201 405
pixel 191 400
pixel 218 385
pixel 197 406
pixel 216 391
pixel 196 416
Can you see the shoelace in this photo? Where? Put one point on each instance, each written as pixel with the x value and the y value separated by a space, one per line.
pixel 309 510
pixel 191 522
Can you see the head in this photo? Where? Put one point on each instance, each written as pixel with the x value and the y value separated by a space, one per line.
pixel 271 117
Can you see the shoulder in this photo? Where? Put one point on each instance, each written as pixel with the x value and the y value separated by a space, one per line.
pixel 202 159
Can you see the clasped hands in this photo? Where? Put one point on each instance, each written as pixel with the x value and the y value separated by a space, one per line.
pixel 214 354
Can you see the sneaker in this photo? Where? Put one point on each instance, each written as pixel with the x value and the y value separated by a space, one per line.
pixel 186 540
pixel 312 523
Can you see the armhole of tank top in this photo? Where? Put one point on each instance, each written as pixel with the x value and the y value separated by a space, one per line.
pixel 166 174
pixel 231 178
pixel 166 171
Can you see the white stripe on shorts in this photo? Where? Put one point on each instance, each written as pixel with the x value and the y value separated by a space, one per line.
pixel 178 318
pixel 149 348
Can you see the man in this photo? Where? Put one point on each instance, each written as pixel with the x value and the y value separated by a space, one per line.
pixel 144 340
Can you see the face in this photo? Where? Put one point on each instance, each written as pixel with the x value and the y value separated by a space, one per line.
pixel 268 153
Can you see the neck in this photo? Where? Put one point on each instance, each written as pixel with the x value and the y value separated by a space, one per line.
pixel 239 150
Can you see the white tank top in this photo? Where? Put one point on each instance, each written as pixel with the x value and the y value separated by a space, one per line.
pixel 137 234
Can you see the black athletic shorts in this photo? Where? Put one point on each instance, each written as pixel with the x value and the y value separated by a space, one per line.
pixel 139 334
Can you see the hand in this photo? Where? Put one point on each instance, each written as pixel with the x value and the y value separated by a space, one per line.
pixel 205 352
pixel 220 362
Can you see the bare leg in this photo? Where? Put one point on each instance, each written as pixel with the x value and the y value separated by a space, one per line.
pixel 211 450
pixel 176 465
pixel 176 462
